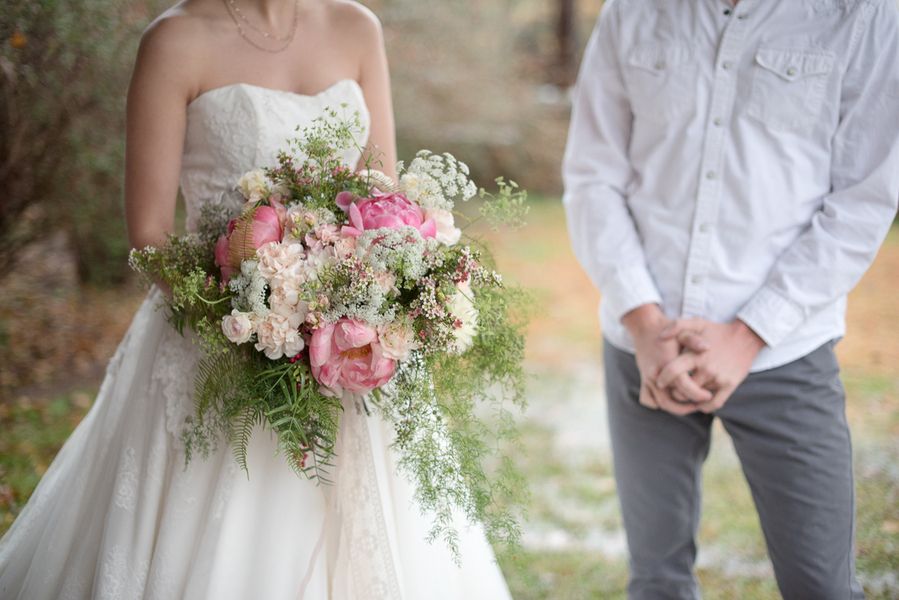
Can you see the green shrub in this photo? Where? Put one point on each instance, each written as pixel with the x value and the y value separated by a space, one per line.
pixel 64 67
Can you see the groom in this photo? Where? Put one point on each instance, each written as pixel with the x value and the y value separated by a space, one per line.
pixel 731 171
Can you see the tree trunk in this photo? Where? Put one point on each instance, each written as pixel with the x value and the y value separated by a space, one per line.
pixel 566 36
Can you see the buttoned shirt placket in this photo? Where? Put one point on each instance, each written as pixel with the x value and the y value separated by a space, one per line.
pixel 709 189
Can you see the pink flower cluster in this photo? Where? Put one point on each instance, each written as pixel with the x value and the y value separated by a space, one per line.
pixel 346 356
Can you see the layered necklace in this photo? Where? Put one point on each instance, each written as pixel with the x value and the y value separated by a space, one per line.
pixel 241 20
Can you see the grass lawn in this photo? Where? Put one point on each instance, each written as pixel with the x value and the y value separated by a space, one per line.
pixel 573 545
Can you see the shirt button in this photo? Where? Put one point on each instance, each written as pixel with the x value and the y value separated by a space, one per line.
pixel 726 65
pixel 727 12
pixel 711 175
pixel 743 17
pixel 660 65
pixel 704 227
pixel 696 279
pixel 791 71
pixel 717 122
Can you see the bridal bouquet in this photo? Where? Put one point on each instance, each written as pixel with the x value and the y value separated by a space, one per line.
pixel 322 284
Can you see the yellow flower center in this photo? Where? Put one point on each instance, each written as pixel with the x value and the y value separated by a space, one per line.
pixel 354 353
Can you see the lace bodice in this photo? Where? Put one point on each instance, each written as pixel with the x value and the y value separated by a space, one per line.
pixel 239 127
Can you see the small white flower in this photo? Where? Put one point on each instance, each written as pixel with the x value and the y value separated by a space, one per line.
pixel 397 339
pixel 447 232
pixel 462 307
pixel 282 258
pixel 412 187
pixel 278 335
pixel 238 327
pixel 248 268
pixel 254 185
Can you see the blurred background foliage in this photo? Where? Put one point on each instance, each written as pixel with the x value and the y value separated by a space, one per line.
pixel 64 66
pixel 485 80
pixel 488 81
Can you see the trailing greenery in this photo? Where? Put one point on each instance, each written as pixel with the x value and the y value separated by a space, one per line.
pixel 445 440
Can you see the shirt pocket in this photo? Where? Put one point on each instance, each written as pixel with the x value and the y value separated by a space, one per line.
pixel 661 81
pixel 788 88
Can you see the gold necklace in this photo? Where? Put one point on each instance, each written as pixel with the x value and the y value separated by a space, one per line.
pixel 237 15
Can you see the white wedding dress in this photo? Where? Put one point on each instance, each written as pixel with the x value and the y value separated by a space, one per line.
pixel 118 515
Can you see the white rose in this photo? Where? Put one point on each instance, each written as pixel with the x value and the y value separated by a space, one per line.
pixel 284 259
pixel 462 307
pixel 411 186
pixel 237 327
pixel 397 340
pixel 278 335
pixel 447 232
pixel 285 301
pixel 254 185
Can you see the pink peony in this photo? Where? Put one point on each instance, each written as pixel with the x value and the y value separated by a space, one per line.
pixel 390 211
pixel 255 228
pixel 347 356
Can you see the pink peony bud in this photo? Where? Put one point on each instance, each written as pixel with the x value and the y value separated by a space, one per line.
pixel 255 228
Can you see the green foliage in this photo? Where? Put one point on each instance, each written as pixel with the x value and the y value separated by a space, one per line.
pixel 437 405
pixel 184 266
pixel 508 206
pixel 238 389
pixel 63 73
pixel 320 174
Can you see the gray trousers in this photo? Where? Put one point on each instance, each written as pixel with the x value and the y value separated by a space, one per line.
pixel 789 429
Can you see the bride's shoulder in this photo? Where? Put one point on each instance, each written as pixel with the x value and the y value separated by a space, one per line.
pixel 183 27
pixel 175 49
pixel 352 19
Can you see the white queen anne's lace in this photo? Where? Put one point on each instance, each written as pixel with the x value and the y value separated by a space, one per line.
pixel 436 181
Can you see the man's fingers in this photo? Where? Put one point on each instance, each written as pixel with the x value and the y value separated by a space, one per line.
pixel 677 395
pixel 677 327
pixel 717 401
pixel 692 340
pixel 667 403
pixel 704 379
pixel 681 365
pixel 685 386
pixel 647 399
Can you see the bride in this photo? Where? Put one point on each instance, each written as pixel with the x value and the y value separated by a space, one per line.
pixel 218 87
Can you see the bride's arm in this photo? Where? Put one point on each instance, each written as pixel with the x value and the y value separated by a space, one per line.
pixel 374 77
pixel 156 117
